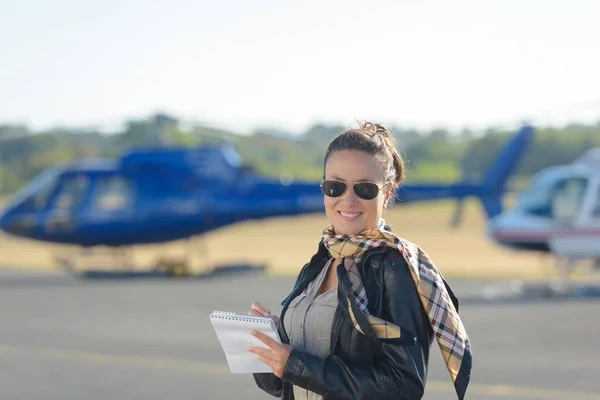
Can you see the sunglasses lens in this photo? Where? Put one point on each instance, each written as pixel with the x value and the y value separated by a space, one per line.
pixel 366 190
pixel 333 188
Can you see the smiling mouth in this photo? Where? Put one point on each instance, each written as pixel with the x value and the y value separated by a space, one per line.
pixel 349 216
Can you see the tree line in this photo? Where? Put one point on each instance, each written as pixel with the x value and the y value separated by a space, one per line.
pixel 436 154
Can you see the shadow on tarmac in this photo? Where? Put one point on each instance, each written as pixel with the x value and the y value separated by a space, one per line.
pixel 16 280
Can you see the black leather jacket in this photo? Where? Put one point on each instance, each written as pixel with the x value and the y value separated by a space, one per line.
pixel 362 366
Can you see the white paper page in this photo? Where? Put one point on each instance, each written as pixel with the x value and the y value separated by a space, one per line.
pixel 234 336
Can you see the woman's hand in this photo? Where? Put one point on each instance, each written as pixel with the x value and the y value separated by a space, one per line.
pixel 276 356
pixel 259 311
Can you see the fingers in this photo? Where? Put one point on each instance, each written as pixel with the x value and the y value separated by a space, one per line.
pixel 267 361
pixel 256 306
pixel 261 351
pixel 255 313
pixel 267 356
pixel 275 358
pixel 265 339
pixel 271 363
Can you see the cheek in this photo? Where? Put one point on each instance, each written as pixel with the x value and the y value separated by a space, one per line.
pixel 375 207
pixel 372 207
pixel 329 204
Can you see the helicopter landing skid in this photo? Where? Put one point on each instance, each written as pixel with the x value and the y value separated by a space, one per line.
pixel 560 287
pixel 79 262
pixel 99 261
pixel 520 290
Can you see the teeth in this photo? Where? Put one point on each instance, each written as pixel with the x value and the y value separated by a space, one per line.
pixel 349 215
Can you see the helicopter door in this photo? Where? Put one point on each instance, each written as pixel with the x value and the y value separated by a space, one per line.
pixel 574 204
pixel 112 194
pixel 568 200
pixel 596 205
pixel 61 217
pixel 567 210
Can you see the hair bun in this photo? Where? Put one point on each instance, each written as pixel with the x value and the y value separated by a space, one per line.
pixel 373 129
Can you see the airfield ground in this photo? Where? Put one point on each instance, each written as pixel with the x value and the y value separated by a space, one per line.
pixel 63 338
pixel 68 338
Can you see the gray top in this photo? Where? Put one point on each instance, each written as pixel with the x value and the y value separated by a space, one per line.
pixel 308 321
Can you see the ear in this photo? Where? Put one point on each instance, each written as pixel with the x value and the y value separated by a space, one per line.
pixel 387 193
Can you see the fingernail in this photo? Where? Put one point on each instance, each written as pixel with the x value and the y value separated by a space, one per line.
pixel 253 333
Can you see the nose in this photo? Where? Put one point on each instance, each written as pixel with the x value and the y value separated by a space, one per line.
pixel 350 197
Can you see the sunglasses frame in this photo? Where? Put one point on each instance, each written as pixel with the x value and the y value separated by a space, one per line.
pixel 348 185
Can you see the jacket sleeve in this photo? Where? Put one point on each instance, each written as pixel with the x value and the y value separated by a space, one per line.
pixel 269 383
pixel 400 375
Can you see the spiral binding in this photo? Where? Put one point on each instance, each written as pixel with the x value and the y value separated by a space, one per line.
pixel 240 317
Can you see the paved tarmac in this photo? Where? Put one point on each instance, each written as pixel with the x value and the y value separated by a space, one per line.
pixel 64 338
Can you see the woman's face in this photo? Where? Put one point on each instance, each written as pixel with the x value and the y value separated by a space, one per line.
pixel 348 213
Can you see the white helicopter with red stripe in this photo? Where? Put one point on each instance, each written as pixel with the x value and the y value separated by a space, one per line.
pixel 559 213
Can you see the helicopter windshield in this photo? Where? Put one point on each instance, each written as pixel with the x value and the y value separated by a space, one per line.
pixel 554 195
pixel 37 192
pixel 71 193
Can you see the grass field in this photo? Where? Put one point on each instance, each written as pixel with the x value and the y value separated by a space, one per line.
pixel 285 244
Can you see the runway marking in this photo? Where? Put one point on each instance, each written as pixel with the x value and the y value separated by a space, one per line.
pixel 125 360
pixel 222 369
pixel 513 391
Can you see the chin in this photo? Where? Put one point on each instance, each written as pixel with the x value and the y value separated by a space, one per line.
pixel 349 228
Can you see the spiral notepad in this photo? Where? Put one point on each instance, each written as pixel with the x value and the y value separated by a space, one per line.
pixel 233 331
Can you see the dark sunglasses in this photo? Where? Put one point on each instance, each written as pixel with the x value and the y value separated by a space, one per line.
pixel 364 190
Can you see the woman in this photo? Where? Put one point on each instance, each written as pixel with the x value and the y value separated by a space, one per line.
pixel 364 311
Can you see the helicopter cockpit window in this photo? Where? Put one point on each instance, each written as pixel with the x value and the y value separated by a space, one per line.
pixel 111 193
pixel 568 199
pixel 537 199
pixel 37 193
pixel 559 198
pixel 71 192
pixel 40 196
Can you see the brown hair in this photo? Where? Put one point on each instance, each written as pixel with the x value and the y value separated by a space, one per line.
pixel 375 139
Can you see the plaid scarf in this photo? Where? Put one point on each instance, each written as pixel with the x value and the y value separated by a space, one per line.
pixel 443 316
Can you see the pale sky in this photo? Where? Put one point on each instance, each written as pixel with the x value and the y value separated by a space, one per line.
pixel 244 64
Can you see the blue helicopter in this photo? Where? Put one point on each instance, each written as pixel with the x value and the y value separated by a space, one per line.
pixel 161 194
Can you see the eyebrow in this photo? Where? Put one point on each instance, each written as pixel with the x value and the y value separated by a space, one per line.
pixel 337 178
